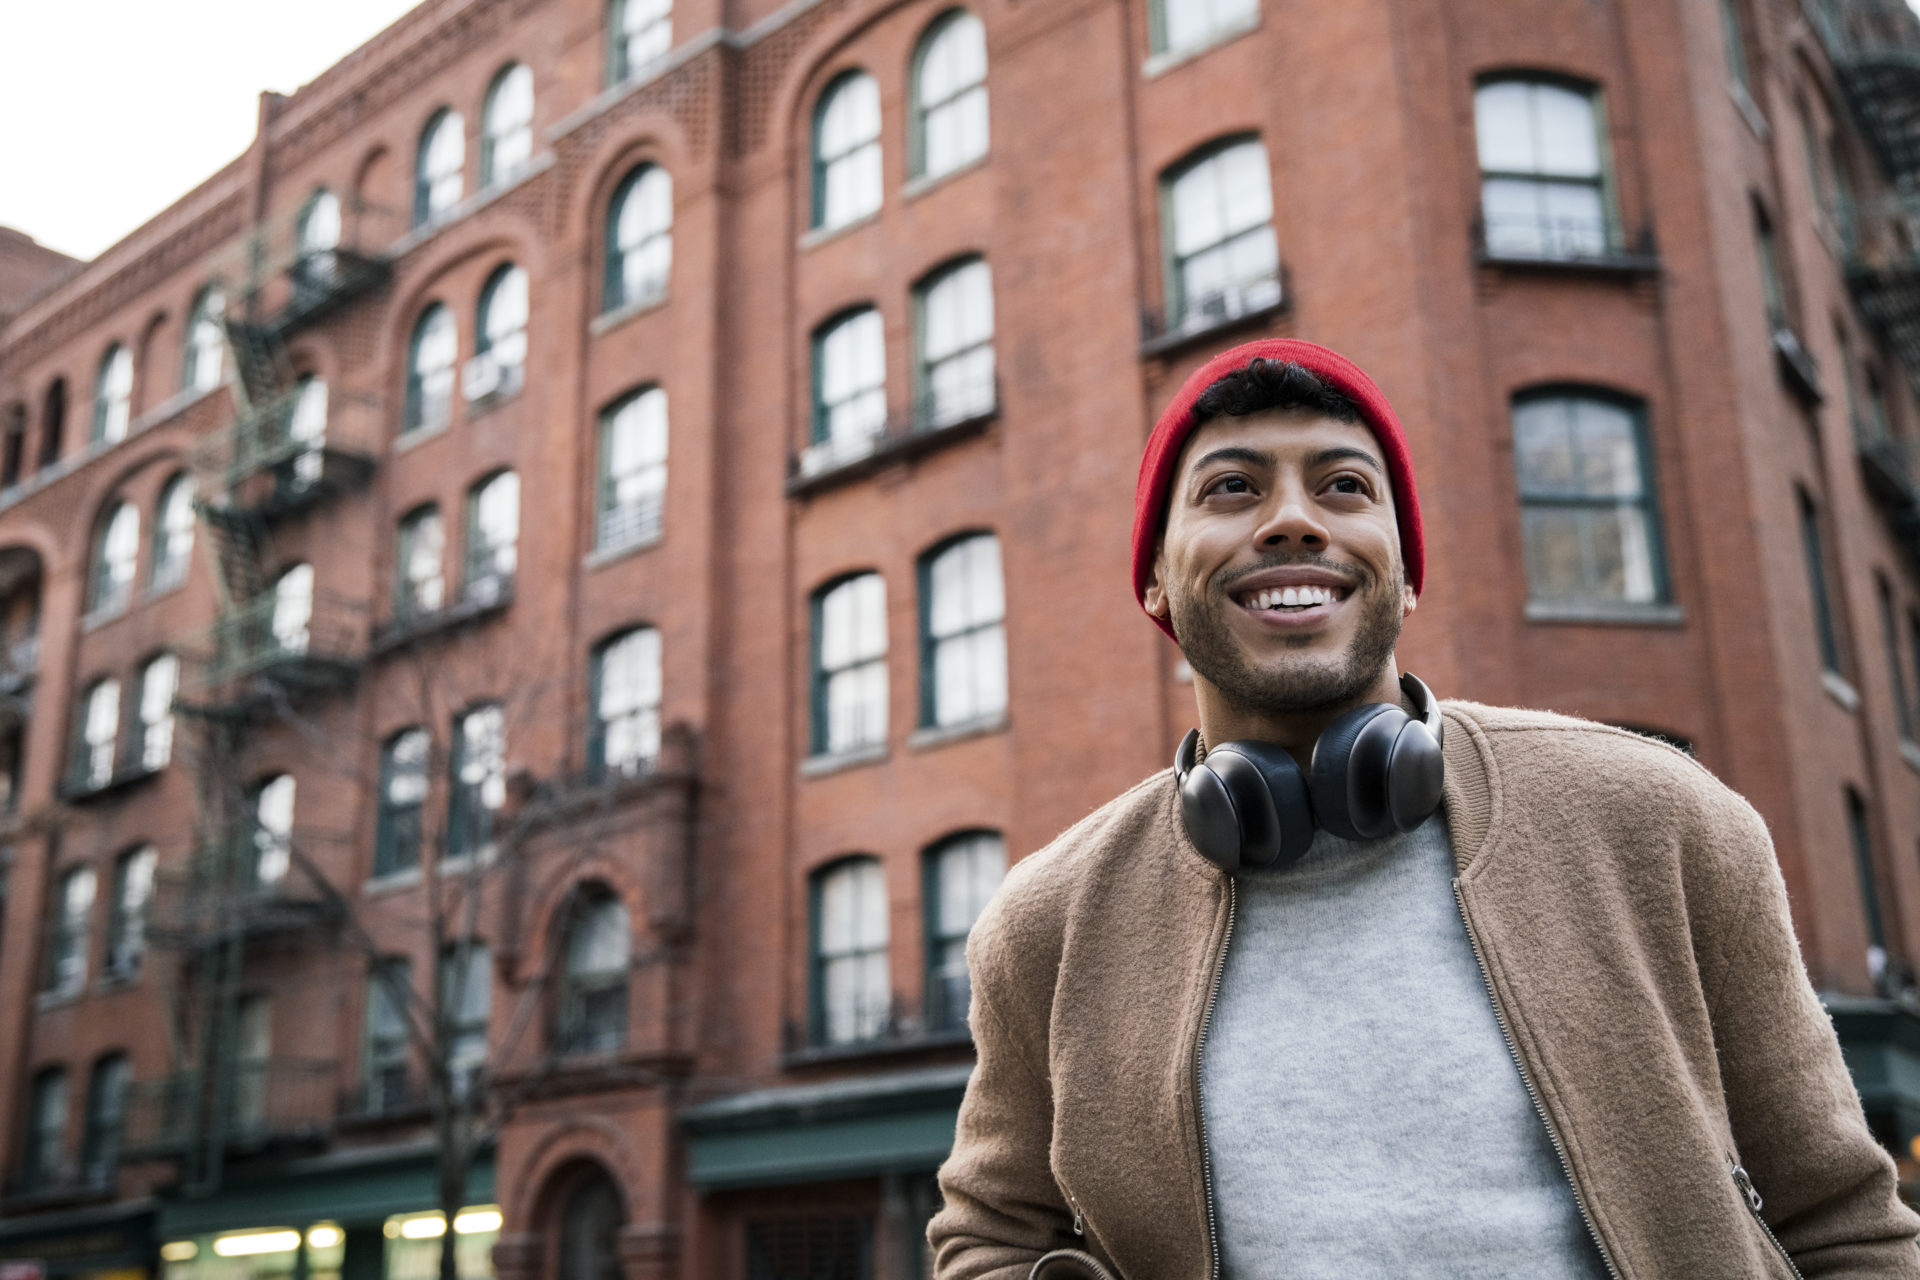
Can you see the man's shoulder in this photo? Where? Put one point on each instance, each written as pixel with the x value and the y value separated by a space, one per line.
pixel 1530 749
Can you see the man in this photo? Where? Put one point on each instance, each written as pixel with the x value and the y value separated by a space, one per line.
pixel 1555 1027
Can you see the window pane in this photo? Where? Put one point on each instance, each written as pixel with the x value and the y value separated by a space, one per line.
pixel 853 377
pixel 952 96
pixel 644 29
pixel 435 347
pixel 273 830
pixel 1503 127
pixel 157 685
pixel 847 150
pixel 503 325
pixel 1569 144
pixel 509 124
pixel 443 156
pixel 206 341
pixel 967 589
pixel 599 942
pixel 969 870
pixel 422 544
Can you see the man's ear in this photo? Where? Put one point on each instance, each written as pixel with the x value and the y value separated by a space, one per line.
pixel 1155 596
pixel 1408 600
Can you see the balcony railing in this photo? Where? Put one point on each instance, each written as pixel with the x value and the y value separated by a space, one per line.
pixel 934 421
pixel 1890 466
pixel 97 770
pixel 70 1182
pixel 270 1102
pixel 1189 318
pixel 482 597
pixel 269 644
pixel 294 269
pixel 275 459
pixel 1590 242
pixel 1874 46
pixel 238 888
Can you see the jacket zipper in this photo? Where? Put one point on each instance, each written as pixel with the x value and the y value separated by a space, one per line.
pixel 1199 1058
pixel 1539 1107
pixel 1080 1256
pixel 1751 1195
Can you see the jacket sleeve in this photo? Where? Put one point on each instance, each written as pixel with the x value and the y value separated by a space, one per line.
pixel 1001 1208
pixel 1828 1189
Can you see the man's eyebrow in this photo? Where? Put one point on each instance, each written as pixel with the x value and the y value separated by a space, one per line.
pixel 1234 453
pixel 1345 453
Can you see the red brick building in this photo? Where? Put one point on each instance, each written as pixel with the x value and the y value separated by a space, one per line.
pixel 606 528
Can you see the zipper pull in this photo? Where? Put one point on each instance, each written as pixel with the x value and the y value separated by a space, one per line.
pixel 1079 1219
pixel 1747 1189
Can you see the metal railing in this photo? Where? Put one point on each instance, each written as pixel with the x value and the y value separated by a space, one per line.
pixel 1874 46
pixel 1189 317
pixel 266 1101
pixel 268 460
pixel 266 638
pixel 223 892
pixel 289 276
pixel 932 416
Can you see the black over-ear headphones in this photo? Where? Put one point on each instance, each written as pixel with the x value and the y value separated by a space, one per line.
pixel 1374 771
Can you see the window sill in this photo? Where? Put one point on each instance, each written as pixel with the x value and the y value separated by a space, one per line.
pixel 887 448
pixel 610 320
pixel 607 555
pixel 392 882
pixel 48 1001
pixel 1161 63
pixel 885 1047
pixel 932 736
pixel 481 406
pixel 162 592
pixel 420 435
pixel 1188 334
pixel 92 622
pixel 1605 614
pixel 399 633
pixel 818 766
pixel 1910 752
pixel 1615 263
pixel 1798 369
pixel 1840 690
pixel 926 182
pixel 117 981
pixel 818 236
pixel 1750 112
pixel 467 863
pixel 123 777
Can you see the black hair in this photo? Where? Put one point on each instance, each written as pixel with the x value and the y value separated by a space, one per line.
pixel 1273 384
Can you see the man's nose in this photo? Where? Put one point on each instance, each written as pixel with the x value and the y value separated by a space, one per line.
pixel 1291 520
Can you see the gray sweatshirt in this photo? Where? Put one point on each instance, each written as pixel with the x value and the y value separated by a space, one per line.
pixel 1364 1116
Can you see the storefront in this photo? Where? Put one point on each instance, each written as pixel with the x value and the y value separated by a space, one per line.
pixel 353 1215
pixel 1880 1040
pixel 106 1242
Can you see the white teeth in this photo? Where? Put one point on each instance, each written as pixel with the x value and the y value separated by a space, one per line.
pixel 1290 596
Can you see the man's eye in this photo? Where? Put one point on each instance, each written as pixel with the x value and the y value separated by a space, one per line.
pixel 1349 484
pixel 1232 484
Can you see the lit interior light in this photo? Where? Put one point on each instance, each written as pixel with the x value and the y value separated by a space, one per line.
pixel 325 1236
pixel 179 1251
pixel 252 1242
pixel 424 1228
pixel 473 1221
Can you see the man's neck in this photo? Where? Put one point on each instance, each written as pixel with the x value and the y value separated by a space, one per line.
pixel 1297 731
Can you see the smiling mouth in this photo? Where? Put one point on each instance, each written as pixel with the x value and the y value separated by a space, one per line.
pixel 1287 600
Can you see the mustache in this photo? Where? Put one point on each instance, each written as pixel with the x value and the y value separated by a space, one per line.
pixel 1359 577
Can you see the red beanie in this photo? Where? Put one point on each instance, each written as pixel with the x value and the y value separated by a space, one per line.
pixel 1176 424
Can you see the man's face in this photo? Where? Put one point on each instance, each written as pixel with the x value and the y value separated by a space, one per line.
pixel 1279 505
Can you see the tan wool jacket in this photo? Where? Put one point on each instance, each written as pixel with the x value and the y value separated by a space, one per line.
pixel 1633 929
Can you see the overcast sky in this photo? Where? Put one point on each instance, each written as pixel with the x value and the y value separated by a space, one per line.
pixel 117 108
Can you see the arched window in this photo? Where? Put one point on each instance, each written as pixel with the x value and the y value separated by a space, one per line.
pixel 68 938
pixel 172 534
pixel 593 994
pixel 53 423
pixel 633 469
pixel 852 986
pixel 430 361
pixel 272 830
pixel 1223 260
pixel 625 734
pixel 106 1109
pixel 127 929
pixel 13 452
pixel 590 1231
pixel 956 345
pixel 306 426
pixel 493 537
pixel 44 1151
pixel 961 873
pixel 439 172
pixel 113 395
pixel 206 341
pixel 418 586
pixel 639 33
pixel 158 681
pixel 1589 528
pixel 850 665
pixel 1543 179
pixel 479 779
pixel 639 238
pixel 116 552
pixel 96 736
pixel 846 151
pixel 292 609
pixel 949 95
pixel 403 796
pixel 849 389
pixel 317 237
pixel 1179 26
pixel 506 125
pixel 500 337
pixel 963 643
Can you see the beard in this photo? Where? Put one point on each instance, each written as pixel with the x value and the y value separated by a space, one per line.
pixel 1306 682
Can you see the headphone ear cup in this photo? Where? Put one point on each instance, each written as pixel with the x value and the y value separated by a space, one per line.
pixel 1349 774
pixel 1284 790
pixel 1207 812
pixel 1415 774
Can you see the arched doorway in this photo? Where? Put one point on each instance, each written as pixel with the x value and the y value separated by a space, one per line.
pixel 590 1219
